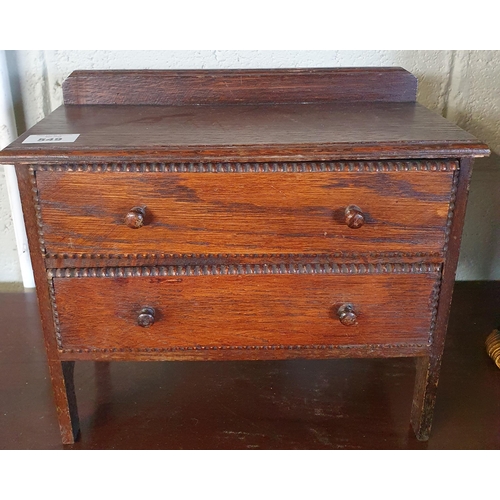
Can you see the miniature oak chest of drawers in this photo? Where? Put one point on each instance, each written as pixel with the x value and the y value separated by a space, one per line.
pixel 243 215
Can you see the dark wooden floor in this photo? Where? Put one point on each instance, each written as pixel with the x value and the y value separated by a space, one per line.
pixel 331 404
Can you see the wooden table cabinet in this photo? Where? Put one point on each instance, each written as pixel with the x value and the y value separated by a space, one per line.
pixel 243 215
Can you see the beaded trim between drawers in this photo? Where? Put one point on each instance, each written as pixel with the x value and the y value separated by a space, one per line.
pixel 419 256
pixel 331 268
pixel 270 167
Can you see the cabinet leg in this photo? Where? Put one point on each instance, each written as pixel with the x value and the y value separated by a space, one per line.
pixel 61 373
pixel 424 396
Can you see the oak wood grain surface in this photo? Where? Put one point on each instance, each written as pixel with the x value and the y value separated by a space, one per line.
pixel 243 310
pixel 243 213
pixel 296 404
pixel 251 353
pixel 105 260
pixel 61 372
pixel 426 381
pixel 136 182
pixel 294 132
pixel 242 86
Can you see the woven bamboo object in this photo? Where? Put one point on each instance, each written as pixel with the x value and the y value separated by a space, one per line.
pixel 493 346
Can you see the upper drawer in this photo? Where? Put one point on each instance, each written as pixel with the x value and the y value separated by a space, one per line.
pixel 242 212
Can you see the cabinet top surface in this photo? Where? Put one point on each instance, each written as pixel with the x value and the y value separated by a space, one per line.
pixel 243 115
pixel 246 132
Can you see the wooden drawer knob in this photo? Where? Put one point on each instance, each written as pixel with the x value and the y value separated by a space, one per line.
pixel 354 217
pixel 347 315
pixel 135 217
pixel 146 317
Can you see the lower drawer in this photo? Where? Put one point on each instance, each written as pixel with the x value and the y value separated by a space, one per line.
pixel 235 311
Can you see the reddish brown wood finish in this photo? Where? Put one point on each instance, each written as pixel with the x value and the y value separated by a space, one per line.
pixel 244 213
pixel 347 314
pixel 252 354
pixel 146 317
pixel 354 217
pixel 300 404
pixel 427 377
pixel 245 219
pixel 254 86
pixel 61 372
pixel 104 260
pixel 135 218
pixel 250 133
pixel 231 311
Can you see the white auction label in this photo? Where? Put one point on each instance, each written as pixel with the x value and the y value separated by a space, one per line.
pixel 50 138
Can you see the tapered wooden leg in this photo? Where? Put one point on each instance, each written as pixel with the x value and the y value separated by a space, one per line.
pixel 424 396
pixel 61 373
pixel 427 376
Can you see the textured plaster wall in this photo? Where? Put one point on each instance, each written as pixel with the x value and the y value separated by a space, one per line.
pixel 474 104
pixel 461 85
pixel 10 270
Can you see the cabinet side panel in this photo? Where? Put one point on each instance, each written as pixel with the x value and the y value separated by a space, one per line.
pixel 428 368
pixel 61 372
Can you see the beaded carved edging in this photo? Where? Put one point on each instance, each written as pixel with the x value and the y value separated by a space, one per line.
pixel 449 220
pixel 55 314
pixel 220 269
pixel 451 210
pixel 36 204
pixel 434 300
pixel 241 348
pixel 269 167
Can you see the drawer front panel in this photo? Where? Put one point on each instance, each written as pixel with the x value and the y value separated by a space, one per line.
pixel 243 213
pixel 231 311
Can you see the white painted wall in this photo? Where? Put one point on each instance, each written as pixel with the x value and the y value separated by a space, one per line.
pixel 10 269
pixel 7 135
pixel 461 85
